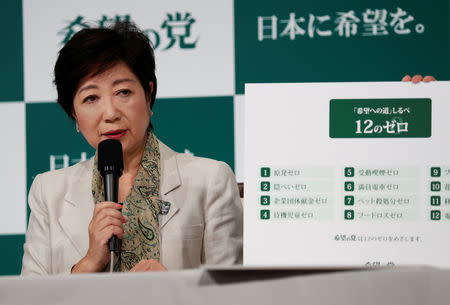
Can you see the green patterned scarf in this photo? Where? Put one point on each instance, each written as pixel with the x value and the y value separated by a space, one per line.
pixel 140 208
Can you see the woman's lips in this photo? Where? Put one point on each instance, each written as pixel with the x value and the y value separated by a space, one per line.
pixel 115 134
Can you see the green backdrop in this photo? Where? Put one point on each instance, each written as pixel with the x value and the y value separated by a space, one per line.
pixel 282 41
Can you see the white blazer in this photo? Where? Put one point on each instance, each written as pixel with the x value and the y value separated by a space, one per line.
pixel 202 226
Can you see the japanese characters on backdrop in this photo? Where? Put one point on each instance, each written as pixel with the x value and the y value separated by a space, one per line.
pixel 371 22
pixel 177 27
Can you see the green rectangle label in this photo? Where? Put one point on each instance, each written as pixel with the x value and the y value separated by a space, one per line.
pixel 380 118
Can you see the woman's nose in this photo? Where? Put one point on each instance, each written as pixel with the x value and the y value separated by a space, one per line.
pixel 110 110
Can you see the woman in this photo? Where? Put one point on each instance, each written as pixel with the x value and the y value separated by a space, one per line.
pixel 178 211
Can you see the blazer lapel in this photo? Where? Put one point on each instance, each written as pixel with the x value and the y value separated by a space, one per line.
pixel 170 180
pixel 78 208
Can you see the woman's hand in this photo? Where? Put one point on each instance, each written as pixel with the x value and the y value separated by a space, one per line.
pixel 106 222
pixel 418 78
pixel 148 265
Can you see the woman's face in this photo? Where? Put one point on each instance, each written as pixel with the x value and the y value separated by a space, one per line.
pixel 113 105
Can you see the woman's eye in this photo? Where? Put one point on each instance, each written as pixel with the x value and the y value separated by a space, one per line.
pixel 124 92
pixel 89 99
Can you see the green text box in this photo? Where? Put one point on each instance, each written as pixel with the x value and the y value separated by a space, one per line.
pixel 380 118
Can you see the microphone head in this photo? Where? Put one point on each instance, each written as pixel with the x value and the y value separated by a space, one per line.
pixel 110 157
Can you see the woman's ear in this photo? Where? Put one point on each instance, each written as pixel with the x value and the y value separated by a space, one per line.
pixel 150 110
pixel 149 98
pixel 77 127
pixel 151 87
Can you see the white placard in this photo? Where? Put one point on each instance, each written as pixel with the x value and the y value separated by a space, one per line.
pixel 303 213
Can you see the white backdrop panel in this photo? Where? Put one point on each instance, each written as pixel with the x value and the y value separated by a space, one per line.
pixel 206 70
pixel 13 166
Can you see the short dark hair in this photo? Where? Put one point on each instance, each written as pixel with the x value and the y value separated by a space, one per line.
pixel 91 52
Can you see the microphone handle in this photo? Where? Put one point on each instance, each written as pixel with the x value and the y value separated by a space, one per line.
pixel 111 185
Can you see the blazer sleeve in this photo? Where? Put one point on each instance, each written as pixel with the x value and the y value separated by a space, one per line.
pixel 37 252
pixel 222 239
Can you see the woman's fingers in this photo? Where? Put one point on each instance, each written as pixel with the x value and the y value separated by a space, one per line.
pixel 429 78
pixel 406 78
pixel 139 266
pixel 417 79
pixel 108 221
pixel 148 265
pixel 101 238
pixel 107 212
pixel 106 205
pixel 105 209
pixel 109 231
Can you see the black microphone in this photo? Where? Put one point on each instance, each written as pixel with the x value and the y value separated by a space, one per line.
pixel 110 166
